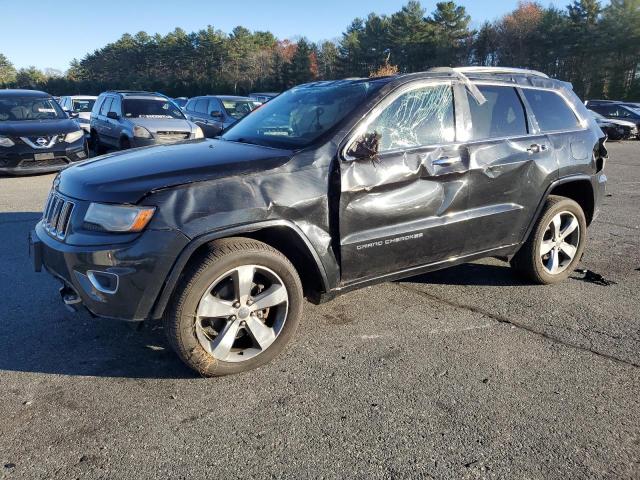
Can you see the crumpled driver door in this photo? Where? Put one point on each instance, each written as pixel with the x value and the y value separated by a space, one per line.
pixel 406 207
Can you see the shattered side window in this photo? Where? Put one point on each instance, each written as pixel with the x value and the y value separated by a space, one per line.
pixel 417 118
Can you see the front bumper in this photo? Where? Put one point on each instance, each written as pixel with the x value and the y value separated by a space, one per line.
pixel 140 269
pixel 22 159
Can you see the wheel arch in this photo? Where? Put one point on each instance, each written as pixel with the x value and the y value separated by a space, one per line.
pixel 576 187
pixel 281 235
pixel 579 190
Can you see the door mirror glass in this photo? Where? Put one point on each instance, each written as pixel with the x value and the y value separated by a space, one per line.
pixel 216 114
pixel 366 146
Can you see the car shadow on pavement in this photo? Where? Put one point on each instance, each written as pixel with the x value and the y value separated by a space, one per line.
pixel 38 334
pixel 471 274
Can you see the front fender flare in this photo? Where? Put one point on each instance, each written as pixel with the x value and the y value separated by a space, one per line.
pixel 195 243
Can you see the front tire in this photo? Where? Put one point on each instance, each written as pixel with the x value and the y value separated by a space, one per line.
pixel 95 145
pixel 235 309
pixel 555 244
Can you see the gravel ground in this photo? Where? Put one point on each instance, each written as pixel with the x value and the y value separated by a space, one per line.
pixel 464 373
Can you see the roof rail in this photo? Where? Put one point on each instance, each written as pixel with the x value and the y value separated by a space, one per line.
pixel 136 92
pixel 520 71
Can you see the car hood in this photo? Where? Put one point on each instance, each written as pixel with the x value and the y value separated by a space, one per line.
pixel 126 177
pixel 32 128
pixel 624 123
pixel 163 124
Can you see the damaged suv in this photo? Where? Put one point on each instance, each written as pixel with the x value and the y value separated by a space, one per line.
pixel 327 188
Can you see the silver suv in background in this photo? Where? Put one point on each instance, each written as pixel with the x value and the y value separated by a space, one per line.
pixel 126 119
pixel 79 107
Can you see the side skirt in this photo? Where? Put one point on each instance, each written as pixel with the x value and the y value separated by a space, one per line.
pixel 506 251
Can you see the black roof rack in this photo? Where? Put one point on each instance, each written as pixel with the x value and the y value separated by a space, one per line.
pixel 136 92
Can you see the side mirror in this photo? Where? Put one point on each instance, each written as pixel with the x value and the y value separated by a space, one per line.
pixel 217 114
pixel 112 115
pixel 365 147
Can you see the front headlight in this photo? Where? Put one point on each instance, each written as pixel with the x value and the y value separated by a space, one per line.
pixel 119 218
pixel 141 132
pixel 6 142
pixel 74 136
pixel 198 133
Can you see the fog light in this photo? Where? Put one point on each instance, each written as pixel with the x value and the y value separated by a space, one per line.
pixel 104 282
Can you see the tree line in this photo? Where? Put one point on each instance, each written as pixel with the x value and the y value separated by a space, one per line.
pixel 593 45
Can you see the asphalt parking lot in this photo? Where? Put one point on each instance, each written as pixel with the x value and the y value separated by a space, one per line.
pixel 464 373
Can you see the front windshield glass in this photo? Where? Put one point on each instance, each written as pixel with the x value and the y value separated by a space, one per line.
pixel 150 108
pixel 29 108
pixel 299 116
pixel 82 106
pixel 238 108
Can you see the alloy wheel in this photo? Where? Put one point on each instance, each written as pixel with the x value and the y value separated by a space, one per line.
pixel 560 242
pixel 241 313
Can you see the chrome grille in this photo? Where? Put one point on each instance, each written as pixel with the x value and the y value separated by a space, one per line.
pixel 56 216
pixel 172 136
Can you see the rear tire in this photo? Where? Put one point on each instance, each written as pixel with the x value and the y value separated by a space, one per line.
pixel 555 244
pixel 215 322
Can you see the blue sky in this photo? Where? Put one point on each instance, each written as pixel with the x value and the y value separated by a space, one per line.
pixel 66 29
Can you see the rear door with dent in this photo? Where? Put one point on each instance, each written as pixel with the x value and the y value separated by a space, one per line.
pixel 510 164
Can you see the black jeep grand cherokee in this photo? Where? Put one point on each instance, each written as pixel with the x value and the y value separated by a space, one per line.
pixel 327 188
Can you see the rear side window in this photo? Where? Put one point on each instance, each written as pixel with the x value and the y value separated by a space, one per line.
pixel 551 110
pixel 420 117
pixel 502 115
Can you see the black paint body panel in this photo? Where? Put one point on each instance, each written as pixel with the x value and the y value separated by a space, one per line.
pixel 362 221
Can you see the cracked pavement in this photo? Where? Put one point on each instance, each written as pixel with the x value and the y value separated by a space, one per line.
pixel 462 373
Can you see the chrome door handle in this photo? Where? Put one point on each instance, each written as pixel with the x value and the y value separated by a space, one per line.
pixel 445 161
pixel 536 148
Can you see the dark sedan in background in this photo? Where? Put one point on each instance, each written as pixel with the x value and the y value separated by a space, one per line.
pixel 36 135
pixel 214 113
pixel 616 110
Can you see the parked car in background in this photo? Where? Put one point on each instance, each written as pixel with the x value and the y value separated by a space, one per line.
pixel 79 106
pixel 615 129
pixel 632 105
pixel 124 119
pixel 617 111
pixel 372 180
pixel 181 101
pixel 214 113
pixel 36 135
pixel 263 97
